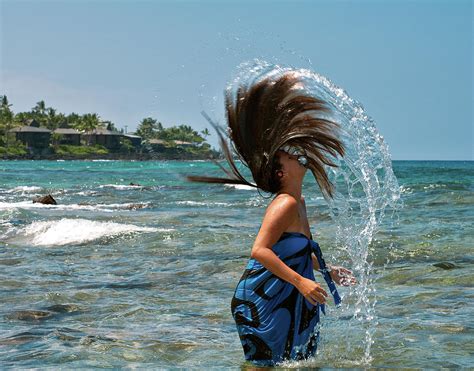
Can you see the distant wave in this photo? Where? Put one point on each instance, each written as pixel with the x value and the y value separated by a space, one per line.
pixel 77 231
pixel 200 203
pixel 121 186
pixel 24 189
pixel 97 207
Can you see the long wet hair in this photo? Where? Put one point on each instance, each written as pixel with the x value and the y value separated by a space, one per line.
pixel 264 117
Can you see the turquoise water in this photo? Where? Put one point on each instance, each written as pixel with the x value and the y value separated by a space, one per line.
pixel 142 276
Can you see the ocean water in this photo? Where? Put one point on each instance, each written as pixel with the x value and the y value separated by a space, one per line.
pixel 142 276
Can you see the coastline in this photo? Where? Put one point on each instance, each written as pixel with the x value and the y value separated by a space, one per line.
pixel 112 156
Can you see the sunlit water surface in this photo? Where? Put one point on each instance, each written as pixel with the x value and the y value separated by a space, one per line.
pixel 118 275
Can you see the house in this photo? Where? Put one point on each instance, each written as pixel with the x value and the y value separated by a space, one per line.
pixel 32 135
pixel 182 143
pixel 107 138
pixel 156 144
pixel 68 136
pixel 134 139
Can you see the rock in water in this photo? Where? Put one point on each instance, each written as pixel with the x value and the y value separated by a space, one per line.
pixel 445 265
pixel 30 315
pixel 47 200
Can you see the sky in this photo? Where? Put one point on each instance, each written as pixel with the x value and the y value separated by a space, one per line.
pixel 409 63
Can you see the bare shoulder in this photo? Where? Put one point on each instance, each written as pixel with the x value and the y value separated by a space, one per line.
pixel 283 203
pixel 280 214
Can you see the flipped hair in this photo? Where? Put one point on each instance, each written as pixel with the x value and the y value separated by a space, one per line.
pixel 267 115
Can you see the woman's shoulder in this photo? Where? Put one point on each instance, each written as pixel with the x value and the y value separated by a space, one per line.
pixel 283 203
pixel 284 199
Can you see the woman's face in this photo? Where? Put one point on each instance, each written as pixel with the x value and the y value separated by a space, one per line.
pixel 290 165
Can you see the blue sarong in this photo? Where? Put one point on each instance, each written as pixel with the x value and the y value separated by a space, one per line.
pixel 274 321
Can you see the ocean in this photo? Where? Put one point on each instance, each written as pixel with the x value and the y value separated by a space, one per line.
pixel 141 276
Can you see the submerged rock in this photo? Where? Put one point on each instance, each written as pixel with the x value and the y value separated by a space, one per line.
pixel 21 338
pixel 46 200
pixel 445 265
pixel 63 308
pixel 135 206
pixel 30 315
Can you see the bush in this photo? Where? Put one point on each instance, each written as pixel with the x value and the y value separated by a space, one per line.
pixel 14 149
pixel 126 146
pixel 70 150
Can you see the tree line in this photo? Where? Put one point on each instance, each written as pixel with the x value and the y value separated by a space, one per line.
pixel 50 118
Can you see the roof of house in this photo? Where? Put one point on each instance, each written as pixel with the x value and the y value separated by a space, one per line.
pixel 29 129
pixel 132 136
pixel 181 142
pixel 66 131
pixel 156 141
pixel 101 131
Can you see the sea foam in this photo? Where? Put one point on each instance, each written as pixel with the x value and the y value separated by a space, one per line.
pixel 77 231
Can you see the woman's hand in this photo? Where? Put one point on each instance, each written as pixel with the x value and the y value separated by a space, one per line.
pixel 342 276
pixel 312 291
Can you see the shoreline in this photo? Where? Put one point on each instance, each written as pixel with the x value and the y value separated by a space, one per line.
pixel 111 156
pixel 148 157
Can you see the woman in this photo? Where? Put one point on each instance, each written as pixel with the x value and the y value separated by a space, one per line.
pixel 279 131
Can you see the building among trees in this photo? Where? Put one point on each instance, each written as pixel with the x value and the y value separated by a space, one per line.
pixel 107 138
pixel 67 136
pixel 32 136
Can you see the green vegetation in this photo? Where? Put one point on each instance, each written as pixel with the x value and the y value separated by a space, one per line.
pixel 150 128
pixel 79 151
pixel 180 141
pixel 14 149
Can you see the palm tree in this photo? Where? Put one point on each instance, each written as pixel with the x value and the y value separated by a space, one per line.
pixel 149 128
pixel 51 121
pixel 205 132
pixel 6 118
pixel 74 120
pixel 40 108
pixel 90 121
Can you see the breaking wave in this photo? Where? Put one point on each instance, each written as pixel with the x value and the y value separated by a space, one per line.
pixel 77 231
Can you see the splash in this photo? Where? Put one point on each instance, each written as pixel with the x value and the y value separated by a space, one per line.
pixel 365 187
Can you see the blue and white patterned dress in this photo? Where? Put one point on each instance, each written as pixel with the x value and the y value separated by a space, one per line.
pixel 275 322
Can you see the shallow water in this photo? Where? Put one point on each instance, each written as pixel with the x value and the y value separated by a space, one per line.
pixel 119 275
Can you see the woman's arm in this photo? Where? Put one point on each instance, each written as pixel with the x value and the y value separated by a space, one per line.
pixel 279 216
pixel 316 266
pixel 340 275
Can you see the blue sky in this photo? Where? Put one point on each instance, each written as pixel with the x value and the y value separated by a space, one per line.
pixel 408 62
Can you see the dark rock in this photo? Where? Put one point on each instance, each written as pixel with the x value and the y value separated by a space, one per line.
pixel 445 265
pixel 135 206
pixel 30 315
pixel 21 338
pixel 63 308
pixel 46 200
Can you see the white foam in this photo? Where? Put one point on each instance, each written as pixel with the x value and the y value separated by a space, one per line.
pixel 77 231
pixel 24 189
pixel 121 186
pixel 98 207
pixel 240 187
pixel 200 203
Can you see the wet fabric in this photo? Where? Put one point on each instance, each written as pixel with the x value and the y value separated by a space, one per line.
pixel 274 321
